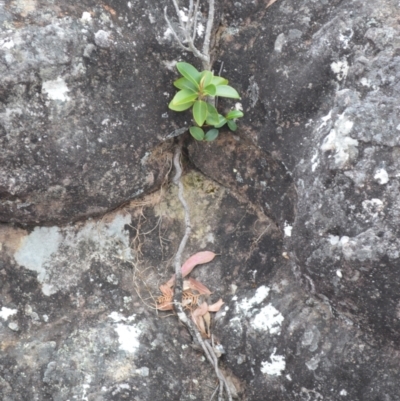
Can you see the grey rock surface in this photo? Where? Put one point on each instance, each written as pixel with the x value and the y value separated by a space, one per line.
pixel 75 85
pixel 321 93
pixel 89 328
pixel 301 204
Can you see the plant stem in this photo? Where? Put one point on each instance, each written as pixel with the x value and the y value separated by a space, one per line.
pixel 207 37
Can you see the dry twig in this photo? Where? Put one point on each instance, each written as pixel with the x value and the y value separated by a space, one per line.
pixel 189 30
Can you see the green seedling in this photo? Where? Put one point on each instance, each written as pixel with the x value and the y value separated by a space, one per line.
pixel 195 90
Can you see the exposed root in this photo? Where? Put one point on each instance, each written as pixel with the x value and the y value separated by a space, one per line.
pixel 208 349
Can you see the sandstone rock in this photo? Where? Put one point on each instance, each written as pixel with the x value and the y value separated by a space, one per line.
pixel 320 93
pixel 76 81
pixel 310 283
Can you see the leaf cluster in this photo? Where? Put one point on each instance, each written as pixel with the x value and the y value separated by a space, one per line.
pixel 195 89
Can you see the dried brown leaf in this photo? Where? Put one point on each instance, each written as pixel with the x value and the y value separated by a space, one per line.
pixel 196 259
pixel 165 301
pixel 167 305
pixel 270 3
pixel 166 290
pixel 201 310
pixel 207 321
pixel 197 317
pixel 193 284
pixel 217 306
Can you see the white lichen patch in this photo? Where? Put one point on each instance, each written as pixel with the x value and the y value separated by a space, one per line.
pixel 167 34
pixel 102 39
pixel 325 120
pixel 238 106
pixel 374 207
pixel 183 15
pixel 5 313
pixel 381 176
pixel 86 387
pixel 269 318
pixel 60 256
pixel 279 42
pixel 56 89
pixel 86 17
pixel 339 141
pixel 314 161
pixel 6 43
pixel 200 29
pixel 275 367
pixel 334 240
pixel 287 229
pixel 313 363
pixel 364 246
pixel 37 249
pixel 170 65
pixel 346 38
pixel 128 332
pixel 247 304
pixel 341 69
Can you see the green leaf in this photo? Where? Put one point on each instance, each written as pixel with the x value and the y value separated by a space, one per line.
pixel 219 81
pixel 183 96
pixel 197 133
pixel 211 135
pixel 181 107
pixel 227 91
pixel 232 125
pixel 200 112
pixel 234 114
pixel 189 72
pixel 222 121
pixel 206 78
pixel 210 90
pixel 184 83
pixel 212 115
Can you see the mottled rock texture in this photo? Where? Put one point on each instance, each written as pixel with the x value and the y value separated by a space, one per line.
pixel 82 107
pixel 321 94
pixel 300 204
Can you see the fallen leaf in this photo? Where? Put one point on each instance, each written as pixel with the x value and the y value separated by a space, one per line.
pixel 198 258
pixel 166 290
pixel 167 305
pixel 193 284
pixel 197 317
pixel 165 301
pixel 207 321
pixel 217 306
pixel 270 3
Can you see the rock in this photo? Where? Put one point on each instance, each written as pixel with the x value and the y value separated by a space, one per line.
pixel 276 338
pixel 310 283
pixel 13 326
pixel 108 327
pixel 250 172
pixel 319 93
pixel 75 85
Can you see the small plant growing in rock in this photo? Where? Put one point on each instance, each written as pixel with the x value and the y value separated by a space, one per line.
pixel 197 90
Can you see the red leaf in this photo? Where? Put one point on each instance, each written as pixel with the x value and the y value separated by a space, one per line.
pixel 197 286
pixel 197 259
pixel 217 306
